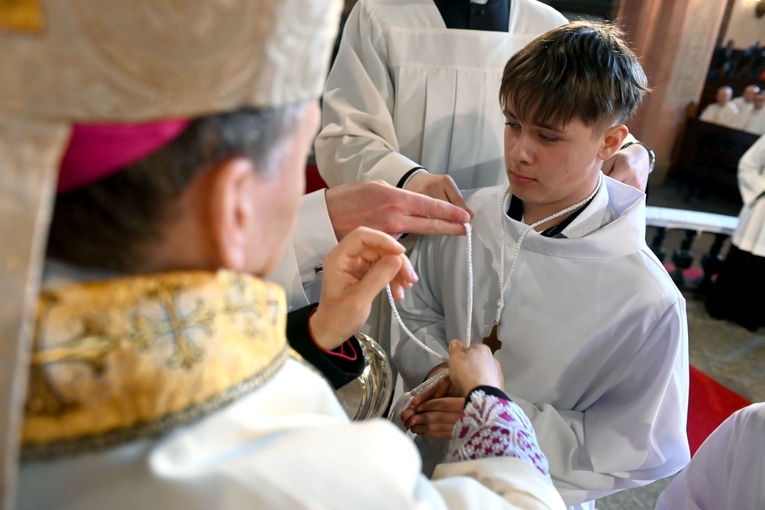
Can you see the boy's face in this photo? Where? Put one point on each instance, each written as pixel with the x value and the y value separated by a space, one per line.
pixel 552 167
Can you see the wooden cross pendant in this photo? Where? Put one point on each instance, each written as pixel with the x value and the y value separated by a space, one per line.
pixel 492 341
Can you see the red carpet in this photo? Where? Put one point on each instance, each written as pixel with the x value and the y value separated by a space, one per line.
pixel 710 403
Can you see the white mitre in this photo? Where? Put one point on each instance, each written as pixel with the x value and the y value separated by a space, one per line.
pixel 122 60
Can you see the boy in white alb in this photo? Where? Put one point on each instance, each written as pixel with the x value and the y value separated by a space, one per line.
pixel 590 330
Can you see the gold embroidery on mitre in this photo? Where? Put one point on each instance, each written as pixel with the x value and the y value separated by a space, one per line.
pixel 130 358
pixel 22 15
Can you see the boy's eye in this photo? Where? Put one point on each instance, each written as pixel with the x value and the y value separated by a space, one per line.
pixel 512 124
pixel 548 138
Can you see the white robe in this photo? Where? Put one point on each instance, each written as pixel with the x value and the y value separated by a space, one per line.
pixel 726 115
pixel 312 239
pixel 594 332
pixel 286 445
pixel 726 471
pixel 753 121
pixel 405 91
pixel 741 103
pixel 750 233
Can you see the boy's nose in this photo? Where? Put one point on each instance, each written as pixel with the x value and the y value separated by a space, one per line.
pixel 518 151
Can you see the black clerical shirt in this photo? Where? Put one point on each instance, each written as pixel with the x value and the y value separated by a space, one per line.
pixel 493 16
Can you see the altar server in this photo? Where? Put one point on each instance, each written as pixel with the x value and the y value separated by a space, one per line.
pixel 738 294
pixel 589 328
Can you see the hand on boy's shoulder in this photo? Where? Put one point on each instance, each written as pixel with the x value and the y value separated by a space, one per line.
pixel 630 165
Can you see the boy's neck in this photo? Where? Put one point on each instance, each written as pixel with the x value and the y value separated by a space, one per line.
pixel 533 213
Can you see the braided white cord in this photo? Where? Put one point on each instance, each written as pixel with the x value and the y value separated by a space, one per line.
pixel 468 233
pixel 406 330
pixel 405 399
pixel 506 281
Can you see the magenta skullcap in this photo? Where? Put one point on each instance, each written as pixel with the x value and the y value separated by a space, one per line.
pixel 99 150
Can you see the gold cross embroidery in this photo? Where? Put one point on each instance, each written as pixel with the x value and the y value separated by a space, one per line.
pixel 90 347
pixel 146 331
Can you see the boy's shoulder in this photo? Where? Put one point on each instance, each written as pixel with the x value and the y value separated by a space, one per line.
pixel 483 199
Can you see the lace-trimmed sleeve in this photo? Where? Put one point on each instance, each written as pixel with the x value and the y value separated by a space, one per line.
pixel 491 426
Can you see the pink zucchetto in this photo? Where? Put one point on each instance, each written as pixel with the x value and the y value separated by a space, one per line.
pixel 96 151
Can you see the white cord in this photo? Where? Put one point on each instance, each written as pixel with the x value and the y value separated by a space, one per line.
pixel 506 281
pixel 404 400
pixel 469 234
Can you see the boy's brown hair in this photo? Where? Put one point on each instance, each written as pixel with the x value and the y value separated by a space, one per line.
pixel 581 70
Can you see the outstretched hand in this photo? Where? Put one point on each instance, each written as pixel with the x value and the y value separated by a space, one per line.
pixel 441 187
pixel 355 271
pixel 378 205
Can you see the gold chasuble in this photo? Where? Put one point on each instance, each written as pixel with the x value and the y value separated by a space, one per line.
pixel 129 358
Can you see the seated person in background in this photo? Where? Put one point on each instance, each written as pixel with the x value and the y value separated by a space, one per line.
pixel 746 100
pixel 738 293
pixel 589 328
pixel 165 380
pixel 752 119
pixel 726 471
pixel 722 111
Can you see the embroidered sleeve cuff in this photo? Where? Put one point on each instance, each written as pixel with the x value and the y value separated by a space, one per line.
pixel 488 390
pixel 491 426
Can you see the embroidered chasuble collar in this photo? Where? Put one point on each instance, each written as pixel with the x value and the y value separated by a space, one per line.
pixel 129 358
pixel 492 16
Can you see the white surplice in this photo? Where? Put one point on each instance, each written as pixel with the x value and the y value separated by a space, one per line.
pixel 299 270
pixel 753 121
pixel 405 91
pixel 750 233
pixel 726 115
pixel 287 445
pixel 594 332
pixel 726 471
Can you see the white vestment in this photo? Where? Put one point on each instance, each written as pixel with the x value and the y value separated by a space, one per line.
pixel 594 332
pixel 741 103
pixel 726 471
pixel 726 115
pixel 405 91
pixel 753 121
pixel 750 233
pixel 287 445
pixel 313 237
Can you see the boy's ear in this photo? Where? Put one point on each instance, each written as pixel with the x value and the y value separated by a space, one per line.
pixel 230 212
pixel 612 141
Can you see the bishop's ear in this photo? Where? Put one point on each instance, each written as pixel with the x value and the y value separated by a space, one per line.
pixel 230 212
pixel 612 141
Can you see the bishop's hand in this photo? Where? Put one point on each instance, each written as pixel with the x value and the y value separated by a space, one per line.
pixel 355 271
pixel 473 367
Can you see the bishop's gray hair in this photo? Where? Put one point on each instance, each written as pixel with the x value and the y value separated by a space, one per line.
pixel 109 223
